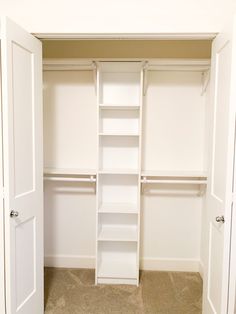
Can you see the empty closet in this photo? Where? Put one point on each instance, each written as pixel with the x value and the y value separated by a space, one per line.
pixel 139 128
pixel 138 157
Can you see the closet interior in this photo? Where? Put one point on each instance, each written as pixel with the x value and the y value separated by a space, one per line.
pixel 126 129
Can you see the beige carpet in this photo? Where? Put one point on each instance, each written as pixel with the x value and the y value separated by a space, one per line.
pixel 71 291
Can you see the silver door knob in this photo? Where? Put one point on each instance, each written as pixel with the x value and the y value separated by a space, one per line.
pixel 220 219
pixel 14 214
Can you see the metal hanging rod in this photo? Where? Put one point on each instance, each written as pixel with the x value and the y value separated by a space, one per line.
pixel 91 179
pixel 173 181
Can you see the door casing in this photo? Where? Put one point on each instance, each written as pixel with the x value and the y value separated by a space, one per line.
pixel 180 36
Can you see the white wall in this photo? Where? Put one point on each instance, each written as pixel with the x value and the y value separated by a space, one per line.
pixel 204 226
pixel 174 126
pixel 105 16
pixel 69 119
pixel 69 225
pixel 174 122
pixel 70 141
pixel 173 140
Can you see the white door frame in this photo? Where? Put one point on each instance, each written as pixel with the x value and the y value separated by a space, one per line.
pixel 139 36
pixel 232 276
pixel 156 36
pixel 2 235
pixel 90 36
pixel 135 36
pixel 232 267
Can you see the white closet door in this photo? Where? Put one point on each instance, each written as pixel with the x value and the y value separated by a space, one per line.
pixel 23 168
pixel 219 198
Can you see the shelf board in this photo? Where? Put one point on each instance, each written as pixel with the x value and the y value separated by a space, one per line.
pixel 118 134
pixel 118 171
pixel 116 208
pixel 69 171
pixel 111 268
pixel 177 174
pixel 118 233
pixel 119 107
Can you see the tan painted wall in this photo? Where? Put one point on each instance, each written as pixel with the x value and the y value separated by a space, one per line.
pixel 126 49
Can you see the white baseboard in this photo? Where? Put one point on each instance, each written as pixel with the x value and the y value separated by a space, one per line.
pixel 69 261
pixel 169 264
pixel 161 264
pixel 201 269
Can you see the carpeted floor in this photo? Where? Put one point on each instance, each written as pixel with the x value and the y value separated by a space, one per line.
pixel 72 291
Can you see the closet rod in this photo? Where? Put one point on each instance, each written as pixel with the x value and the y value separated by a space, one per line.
pixel 174 181
pixel 70 179
pixel 67 64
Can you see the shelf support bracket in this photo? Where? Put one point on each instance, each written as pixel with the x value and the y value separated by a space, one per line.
pixel 143 184
pixel 205 81
pixel 201 190
pixel 94 65
pixel 92 179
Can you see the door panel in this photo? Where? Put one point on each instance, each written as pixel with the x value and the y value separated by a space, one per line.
pixel 24 146
pixel 221 119
pixel 23 169
pixel 25 268
pixel 215 267
pixel 219 194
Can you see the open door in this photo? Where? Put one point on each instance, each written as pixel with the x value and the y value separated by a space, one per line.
pixel 220 188
pixel 23 169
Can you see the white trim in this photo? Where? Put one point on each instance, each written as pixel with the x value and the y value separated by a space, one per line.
pixel 170 264
pixel 127 36
pixel 117 281
pixel 232 270
pixel 67 64
pixel 201 269
pixel 149 263
pixel 2 214
pixel 69 261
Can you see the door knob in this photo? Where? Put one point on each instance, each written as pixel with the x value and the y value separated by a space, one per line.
pixel 220 219
pixel 14 214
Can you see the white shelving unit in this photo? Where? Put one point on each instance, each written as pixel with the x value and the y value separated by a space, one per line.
pixel 117 262
pixel 123 208
pixel 119 99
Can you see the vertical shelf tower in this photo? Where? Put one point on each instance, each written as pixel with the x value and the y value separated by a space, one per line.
pixel 119 97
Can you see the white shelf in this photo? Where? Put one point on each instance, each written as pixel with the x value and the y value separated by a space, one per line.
pixel 118 134
pixel 119 152
pixel 177 174
pixel 119 107
pixel 116 208
pixel 117 269
pixel 118 233
pixel 65 171
pixel 119 171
